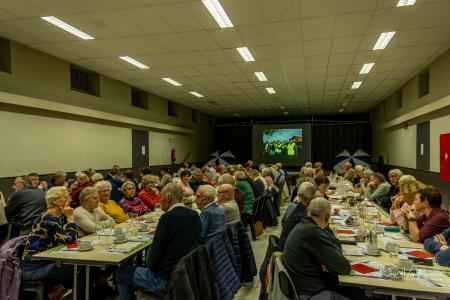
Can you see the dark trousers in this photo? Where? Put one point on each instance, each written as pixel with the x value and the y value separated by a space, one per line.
pixel 247 219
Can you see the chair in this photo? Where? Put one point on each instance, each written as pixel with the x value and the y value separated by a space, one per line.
pixel 286 285
pixel 8 231
pixel 36 287
pixel 282 287
pixel 272 247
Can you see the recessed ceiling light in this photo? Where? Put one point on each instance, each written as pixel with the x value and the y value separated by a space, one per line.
pixel 270 90
pixel 356 85
pixel 366 68
pixel 63 25
pixel 196 94
pixel 236 114
pixel 245 53
pixel 171 81
pixel 406 2
pixel 341 110
pixel 383 40
pixel 286 113
pixel 261 76
pixel 218 13
pixel 344 104
pixel 133 62
pixel 282 107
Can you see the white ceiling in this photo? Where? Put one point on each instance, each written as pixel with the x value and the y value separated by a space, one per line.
pixel 310 50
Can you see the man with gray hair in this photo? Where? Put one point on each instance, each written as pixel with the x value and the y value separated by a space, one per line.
pixel 349 172
pixel 312 259
pixel 177 233
pixel 212 217
pixel 377 188
pixel 226 202
pixel 394 190
pixel 297 210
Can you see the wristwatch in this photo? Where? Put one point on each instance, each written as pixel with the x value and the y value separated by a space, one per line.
pixel 412 219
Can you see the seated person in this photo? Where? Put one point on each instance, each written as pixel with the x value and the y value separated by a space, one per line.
pixel 3 219
pixel 405 202
pixel 226 202
pixel 52 228
pixel 212 217
pixel 349 172
pixel 88 216
pixel 58 179
pixel 360 187
pixel 394 189
pixel 433 220
pixel 165 177
pixel 323 183
pixel 196 179
pixel 26 204
pixel 312 259
pixel 188 192
pixel 149 194
pixel 306 193
pixel 377 188
pixel 359 174
pixel 110 207
pixel 438 245
pixel 129 203
pixel 82 181
pixel 239 196
pixel 178 233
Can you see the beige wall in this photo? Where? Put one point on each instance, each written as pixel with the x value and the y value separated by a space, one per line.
pixel 397 145
pixel 33 139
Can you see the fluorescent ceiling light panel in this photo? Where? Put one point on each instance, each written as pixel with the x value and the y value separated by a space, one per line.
pixel 134 62
pixel 341 110
pixel 383 40
pixel 344 104
pixel 236 114
pixel 171 81
pixel 196 94
pixel 282 107
pixel 406 2
pixel 61 24
pixel 366 68
pixel 270 90
pixel 260 76
pixel 286 113
pixel 218 13
pixel 356 85
pixel 245 53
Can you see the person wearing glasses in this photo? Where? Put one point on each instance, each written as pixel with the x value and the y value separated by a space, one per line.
pixel 109 206
pixel 149 194
pixel 88 216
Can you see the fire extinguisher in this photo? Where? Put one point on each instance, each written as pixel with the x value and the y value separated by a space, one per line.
pixel 173 155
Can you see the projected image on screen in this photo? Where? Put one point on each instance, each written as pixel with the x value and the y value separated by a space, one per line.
pixel 282 142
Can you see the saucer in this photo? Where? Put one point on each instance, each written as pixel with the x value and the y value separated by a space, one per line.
pixel 378 253
pixel 85 249
pixel 120 241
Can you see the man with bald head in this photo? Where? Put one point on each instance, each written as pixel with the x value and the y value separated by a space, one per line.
pixel 177 234
pixel 225 199
pixel 212 217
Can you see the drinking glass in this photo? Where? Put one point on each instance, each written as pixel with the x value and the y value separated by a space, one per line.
pixel 157 208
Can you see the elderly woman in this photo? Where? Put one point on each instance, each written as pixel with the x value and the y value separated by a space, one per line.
pixel 149 194
pixel 129 203
pixel 322 183
pixel 377 188
pixel 110 207
pixel 249 199
pixel 394 190
pixel 405 202
pixel 297 210
pixel 52 228
pixel 88 216
pixel 188 192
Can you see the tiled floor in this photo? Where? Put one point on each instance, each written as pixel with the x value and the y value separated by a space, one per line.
pixel 259 250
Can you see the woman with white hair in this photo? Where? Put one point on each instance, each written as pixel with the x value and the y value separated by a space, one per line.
pixel 88 216
pixel 129 203
pixel 110 207
pixel 394 190
pixel 52 228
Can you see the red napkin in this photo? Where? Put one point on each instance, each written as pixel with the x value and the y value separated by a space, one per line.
pixel 152 232
pixel 420 254
pixel 363 269
pixel 72 246
pixel 345 231
pixel 386 223
pixel 140 219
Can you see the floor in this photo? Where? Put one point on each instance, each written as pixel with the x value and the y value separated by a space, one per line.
pixel 251 292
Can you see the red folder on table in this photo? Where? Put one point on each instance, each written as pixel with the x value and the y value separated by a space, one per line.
pixel 363 269
pixel 345 231
pixel 420 254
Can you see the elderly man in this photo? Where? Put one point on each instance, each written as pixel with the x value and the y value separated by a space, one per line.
pixel 394 190
pixel 226 202
pixel 311 258
pixel 177 234
pixel 377 188
pixel 77 187
pixel 26 204
pixel 34 177
pixel 349 172
pixel 212 217
pixel 58 179
pixel 197 179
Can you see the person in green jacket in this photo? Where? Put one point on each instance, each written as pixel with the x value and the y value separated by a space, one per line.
pixel 249 199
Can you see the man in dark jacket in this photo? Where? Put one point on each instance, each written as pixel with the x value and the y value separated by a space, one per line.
pixel 26 205
pixel 312 260
pixel 177 234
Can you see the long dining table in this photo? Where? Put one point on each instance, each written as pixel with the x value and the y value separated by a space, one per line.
pixel 371 272
pixel 104 251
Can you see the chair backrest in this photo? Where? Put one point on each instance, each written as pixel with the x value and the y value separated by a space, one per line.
pixel 8 231
pixel 284 282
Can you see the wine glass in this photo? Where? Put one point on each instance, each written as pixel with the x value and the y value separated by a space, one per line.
pixel 157 208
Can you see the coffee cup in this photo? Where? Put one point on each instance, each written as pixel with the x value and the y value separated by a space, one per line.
pixel 120 237
pixel 150 219
pixel 118 230
pixel 143 227
pixel 372 249
pixel 85 244
pixel 405 264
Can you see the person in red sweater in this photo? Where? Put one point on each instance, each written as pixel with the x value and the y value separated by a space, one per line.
pixel 149 194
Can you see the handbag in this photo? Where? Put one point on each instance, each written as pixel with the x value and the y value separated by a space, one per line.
pixel 258 228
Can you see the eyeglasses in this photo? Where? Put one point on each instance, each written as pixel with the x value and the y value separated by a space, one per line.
pixel 95 198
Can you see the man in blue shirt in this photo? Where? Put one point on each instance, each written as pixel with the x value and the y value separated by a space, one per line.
pixel 212 217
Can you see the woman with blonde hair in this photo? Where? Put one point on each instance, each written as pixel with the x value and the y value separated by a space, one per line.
pixel 149 194
pixel 110 207
pixel 405 202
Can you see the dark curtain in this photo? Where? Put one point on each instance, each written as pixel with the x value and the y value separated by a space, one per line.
pixel 237 139
pixel 330 140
